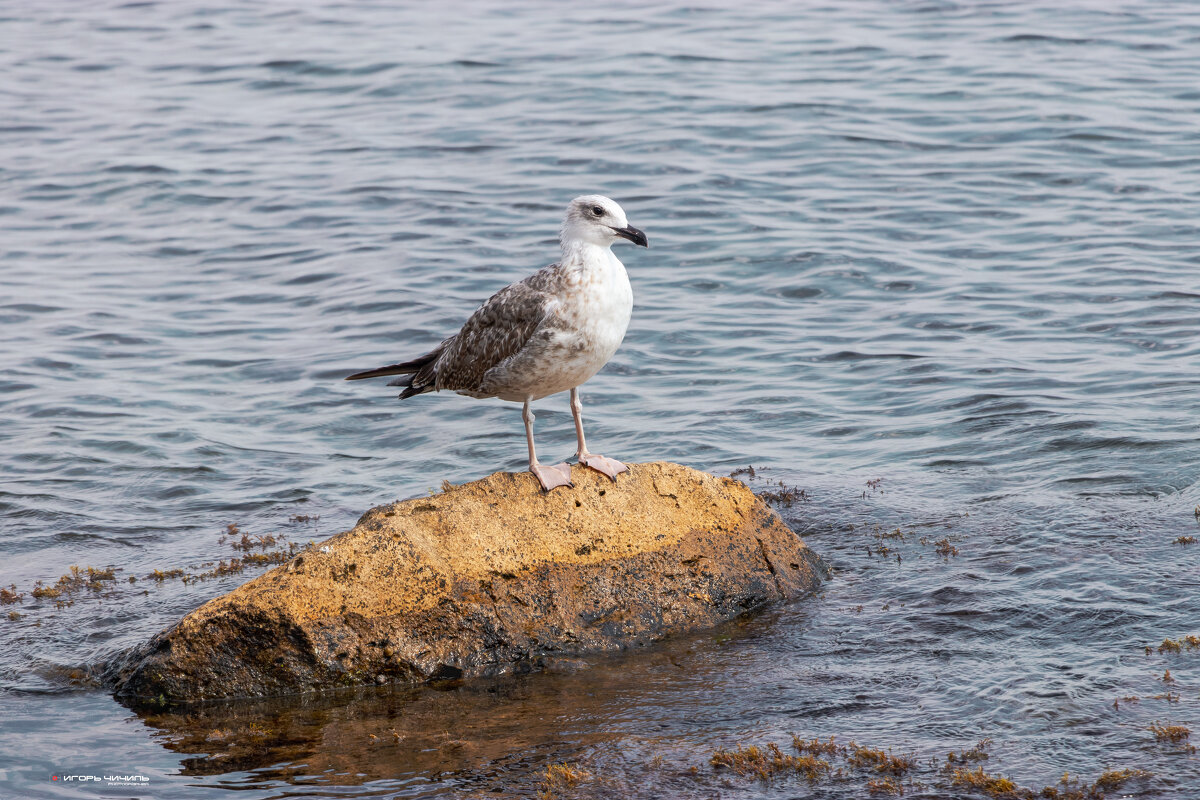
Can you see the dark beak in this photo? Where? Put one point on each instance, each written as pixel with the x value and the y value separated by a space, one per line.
pixel 632 234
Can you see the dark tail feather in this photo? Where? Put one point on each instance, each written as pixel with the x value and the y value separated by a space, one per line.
pixel 411 391
pixel 407 382
pixel 420 374
pixel 404 368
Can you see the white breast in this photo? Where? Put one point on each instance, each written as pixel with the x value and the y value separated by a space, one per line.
pixel 590 320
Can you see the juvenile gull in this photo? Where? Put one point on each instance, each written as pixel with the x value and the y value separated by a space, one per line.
pixel 545 334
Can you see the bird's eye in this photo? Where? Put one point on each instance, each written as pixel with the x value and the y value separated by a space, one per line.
pixel 597 211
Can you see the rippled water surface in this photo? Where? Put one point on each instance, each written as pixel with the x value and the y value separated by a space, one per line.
pixel 949 249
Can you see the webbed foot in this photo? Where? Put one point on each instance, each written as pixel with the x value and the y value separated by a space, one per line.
pixel 551 477
pixel 609 466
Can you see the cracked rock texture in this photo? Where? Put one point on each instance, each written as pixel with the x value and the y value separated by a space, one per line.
pixel 487 578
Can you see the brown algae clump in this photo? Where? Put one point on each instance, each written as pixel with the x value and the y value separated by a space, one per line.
pixel 891 775
pixel 980 781
pixel 976 753
pixel 261 559
pixel 1170 733
pixel 765 763
pixel 817 747
pixel 1169 645
pixel 944 548
pixel 160 576
pixel 45 592
pixel 561 776
pixel 1174 734
pixel 261 542
pixel 885 786
pixel 785 495
pixel 78 578
pixel 1113 779
pixel 879 760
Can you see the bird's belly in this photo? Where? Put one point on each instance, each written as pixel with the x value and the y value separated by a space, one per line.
pixel 564 357
pixel 563 361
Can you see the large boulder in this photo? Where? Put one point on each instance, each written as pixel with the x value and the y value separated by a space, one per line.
pixel 486 578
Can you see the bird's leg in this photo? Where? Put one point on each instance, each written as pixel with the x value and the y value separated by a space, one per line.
pixel 548 477
pixel 609 466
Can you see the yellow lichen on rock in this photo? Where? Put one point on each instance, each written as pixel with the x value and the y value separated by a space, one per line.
pixel 485 578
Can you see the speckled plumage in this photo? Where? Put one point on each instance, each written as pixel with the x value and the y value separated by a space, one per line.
pixel 545 334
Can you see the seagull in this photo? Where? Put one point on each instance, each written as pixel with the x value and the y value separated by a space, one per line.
pixel 542 335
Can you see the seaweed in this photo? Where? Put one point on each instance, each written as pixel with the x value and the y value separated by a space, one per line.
pixel 766 763
pixel 561 776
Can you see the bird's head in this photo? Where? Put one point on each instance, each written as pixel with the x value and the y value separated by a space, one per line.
pixel 597 220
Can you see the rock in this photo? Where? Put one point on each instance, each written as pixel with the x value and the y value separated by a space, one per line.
pixel 487 578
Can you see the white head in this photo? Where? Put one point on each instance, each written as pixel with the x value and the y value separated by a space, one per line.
pixel 595 219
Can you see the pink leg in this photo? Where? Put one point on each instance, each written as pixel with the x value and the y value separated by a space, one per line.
pixel 548 477
pixel 609 466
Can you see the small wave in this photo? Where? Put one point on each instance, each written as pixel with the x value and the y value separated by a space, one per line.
pixel 1041 37
pixel 153 169
pixel 854 355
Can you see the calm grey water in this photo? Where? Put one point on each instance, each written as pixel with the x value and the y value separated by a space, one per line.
pixel 949 246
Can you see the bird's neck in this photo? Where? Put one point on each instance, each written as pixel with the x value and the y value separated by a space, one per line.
pixel 582 253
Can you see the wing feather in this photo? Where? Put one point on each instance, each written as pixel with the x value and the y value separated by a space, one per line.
pixel 497 331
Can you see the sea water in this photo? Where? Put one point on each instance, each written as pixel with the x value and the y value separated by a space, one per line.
pixel 933 263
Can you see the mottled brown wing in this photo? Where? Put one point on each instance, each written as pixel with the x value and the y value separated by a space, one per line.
pixel 498 330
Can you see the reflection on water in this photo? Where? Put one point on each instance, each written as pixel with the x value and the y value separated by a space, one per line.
pixel 489 736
